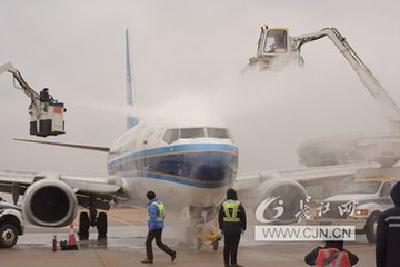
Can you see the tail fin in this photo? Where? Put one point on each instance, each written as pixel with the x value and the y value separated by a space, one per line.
pixel 131 95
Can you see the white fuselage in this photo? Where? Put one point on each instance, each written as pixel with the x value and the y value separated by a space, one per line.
pixel 185 172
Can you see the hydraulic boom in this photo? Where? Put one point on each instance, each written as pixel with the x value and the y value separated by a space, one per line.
pixel 276 48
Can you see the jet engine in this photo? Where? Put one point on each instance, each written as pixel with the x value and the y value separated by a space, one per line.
pixel 279 201
pixel 50 203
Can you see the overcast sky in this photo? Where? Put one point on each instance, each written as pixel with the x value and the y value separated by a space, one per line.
pixel 191 52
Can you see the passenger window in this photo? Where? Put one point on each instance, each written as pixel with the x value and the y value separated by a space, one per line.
pixel 171 135
pixel 192 133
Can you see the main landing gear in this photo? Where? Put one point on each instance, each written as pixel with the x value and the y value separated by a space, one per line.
pixel 91 219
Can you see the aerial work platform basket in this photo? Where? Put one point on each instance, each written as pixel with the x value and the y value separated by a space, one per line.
pixel 49 121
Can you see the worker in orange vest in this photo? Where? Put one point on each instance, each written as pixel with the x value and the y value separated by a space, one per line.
pixel 331 255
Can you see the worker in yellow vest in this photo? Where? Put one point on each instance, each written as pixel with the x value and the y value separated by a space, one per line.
pixel 156 212
pixel 232 222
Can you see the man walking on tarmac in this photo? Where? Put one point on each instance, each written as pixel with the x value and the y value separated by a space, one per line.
pixel 388 233
pixel 156 224
pixel 232 222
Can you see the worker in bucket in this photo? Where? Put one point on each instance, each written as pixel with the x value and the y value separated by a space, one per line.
pixel 388 233
pixel 156 211
pixel 44 96
pixel 232 222
pixel 332 254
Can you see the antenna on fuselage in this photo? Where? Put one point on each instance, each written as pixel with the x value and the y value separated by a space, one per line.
pixel 130 92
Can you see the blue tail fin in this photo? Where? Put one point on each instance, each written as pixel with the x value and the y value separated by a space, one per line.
pixel 130 92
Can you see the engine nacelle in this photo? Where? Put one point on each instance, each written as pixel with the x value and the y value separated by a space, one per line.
pixel 50 203
pixel 279 201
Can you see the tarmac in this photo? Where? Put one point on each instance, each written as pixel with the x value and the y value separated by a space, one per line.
pixel 125 247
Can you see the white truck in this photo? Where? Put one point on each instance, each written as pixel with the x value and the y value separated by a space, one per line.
pixel 11 225
pixel 360 204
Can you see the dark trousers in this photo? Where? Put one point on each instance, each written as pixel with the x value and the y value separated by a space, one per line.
pixel 156 233
pixel 231 244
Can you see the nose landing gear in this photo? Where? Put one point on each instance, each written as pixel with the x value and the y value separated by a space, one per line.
pixel 203 229
pixel 208 235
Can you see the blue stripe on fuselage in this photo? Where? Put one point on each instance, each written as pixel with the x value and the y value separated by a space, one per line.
pixel 180 180
pixel 196 165
pixel 174 149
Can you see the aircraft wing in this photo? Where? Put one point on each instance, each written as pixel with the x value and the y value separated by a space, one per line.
pixel 94 185
pixel 260 183
pixel 16 183
pixel 70 145
pixel 291 186
pixel 303 175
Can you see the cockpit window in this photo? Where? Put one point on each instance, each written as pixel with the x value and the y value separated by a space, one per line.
pixel 171 135
pixel 217 133
pixel 192 133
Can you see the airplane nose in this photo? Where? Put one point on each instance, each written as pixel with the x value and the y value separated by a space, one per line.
pixel 213 170
pixel 218 169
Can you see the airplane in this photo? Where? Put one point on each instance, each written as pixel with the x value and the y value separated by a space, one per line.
pixel 190 167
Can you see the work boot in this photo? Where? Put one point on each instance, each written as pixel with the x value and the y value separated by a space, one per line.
pixel 236 265
pixel 147 261
pixel 226 265
pixel 173 256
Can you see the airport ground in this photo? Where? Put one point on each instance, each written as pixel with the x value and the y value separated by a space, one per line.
pixel 125 247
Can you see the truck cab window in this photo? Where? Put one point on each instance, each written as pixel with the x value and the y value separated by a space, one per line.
pixel 385 190
pixel 276 41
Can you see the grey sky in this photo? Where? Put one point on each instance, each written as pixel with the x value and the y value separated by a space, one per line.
pixel 191 51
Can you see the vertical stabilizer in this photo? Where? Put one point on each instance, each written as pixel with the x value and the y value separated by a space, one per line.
pixel 130 92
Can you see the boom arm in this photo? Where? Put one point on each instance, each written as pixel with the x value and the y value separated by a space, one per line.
pixel 32 94
pixel 389 108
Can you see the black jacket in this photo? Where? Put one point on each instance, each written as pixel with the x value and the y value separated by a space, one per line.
pixel 232 228
pixel 311 258
pixel 388 239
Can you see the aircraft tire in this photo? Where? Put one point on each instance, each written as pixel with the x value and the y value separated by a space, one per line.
pixel 8 236
pixel 215 245
pixel 84 225
pixel 102 225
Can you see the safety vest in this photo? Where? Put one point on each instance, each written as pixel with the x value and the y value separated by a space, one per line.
pixel 231 208
pixel 161 210
pixel 332 257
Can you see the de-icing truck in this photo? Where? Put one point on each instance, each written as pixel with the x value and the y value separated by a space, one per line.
pixel 47 114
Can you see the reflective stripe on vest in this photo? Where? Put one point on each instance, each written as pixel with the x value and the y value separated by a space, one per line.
pixel 161 210
pixel 332 257
pixel 231 208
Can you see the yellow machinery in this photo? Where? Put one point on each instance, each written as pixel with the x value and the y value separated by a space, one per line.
pixel 208 234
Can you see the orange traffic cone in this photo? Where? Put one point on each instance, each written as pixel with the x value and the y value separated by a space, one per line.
pixel 71 238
